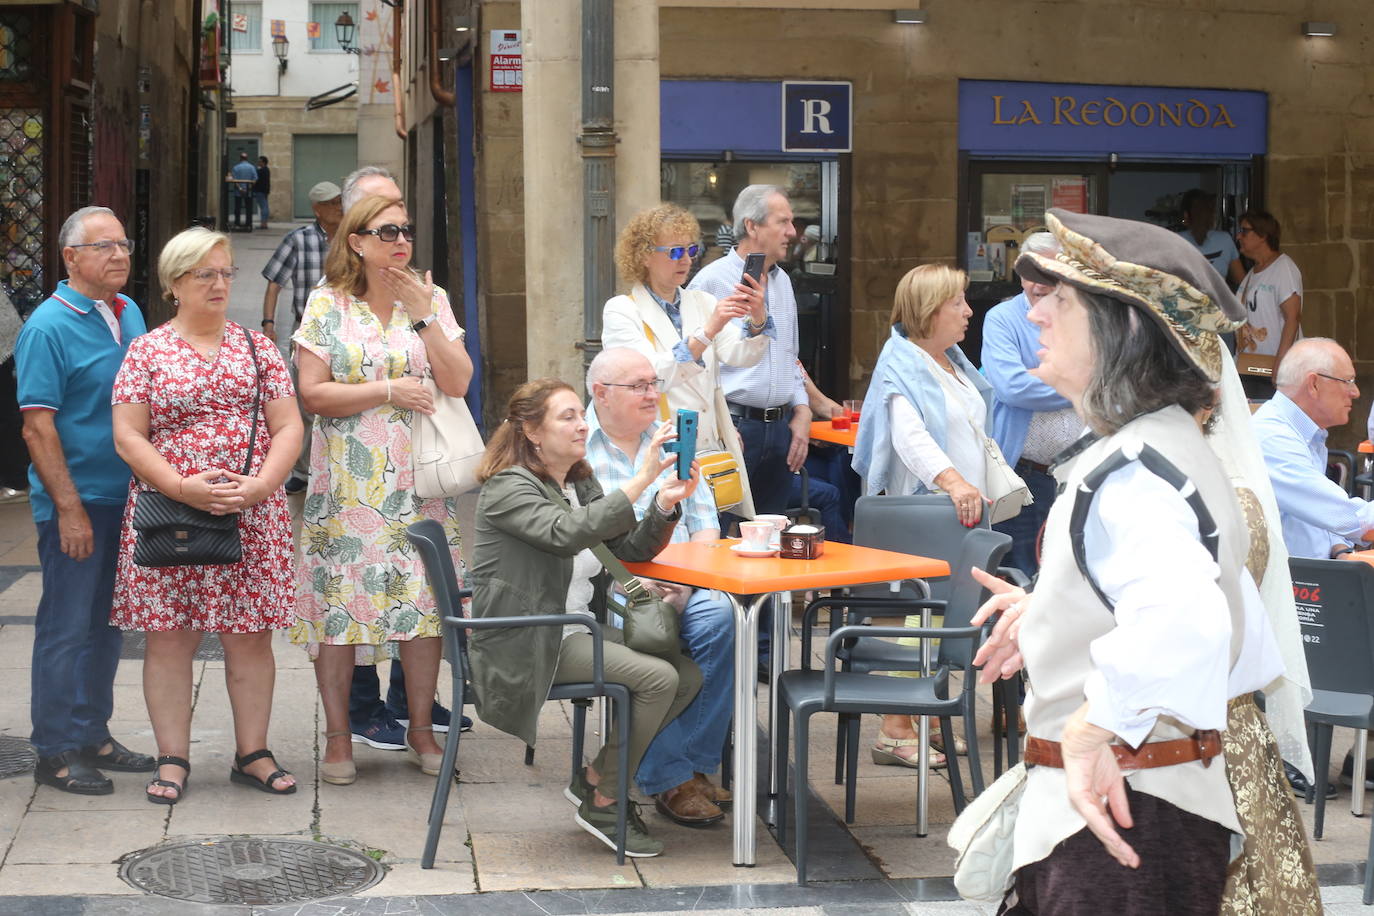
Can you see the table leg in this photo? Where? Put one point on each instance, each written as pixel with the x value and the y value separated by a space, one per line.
pixel 779 661
pixel 746 719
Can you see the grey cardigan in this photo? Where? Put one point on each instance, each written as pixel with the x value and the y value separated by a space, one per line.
pixel 522 559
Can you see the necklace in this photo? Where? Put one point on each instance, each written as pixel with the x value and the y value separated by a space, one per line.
pixel 207 346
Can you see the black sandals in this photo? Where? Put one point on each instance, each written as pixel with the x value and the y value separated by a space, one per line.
pixel 237 775
pixel 169 760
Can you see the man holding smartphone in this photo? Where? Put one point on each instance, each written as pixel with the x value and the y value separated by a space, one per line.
pixel 768 400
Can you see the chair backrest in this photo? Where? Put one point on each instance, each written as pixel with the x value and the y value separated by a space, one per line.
pixel 925 525
pixel 429 539
pixel 983 548
pixel 1335 601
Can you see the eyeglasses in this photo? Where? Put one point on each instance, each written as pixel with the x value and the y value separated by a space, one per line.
pixel 675 252
pixel 639 388
pixel 390 231
pixel 1348 382
pixel 107 246
pixel 209 274
pixel 1243 230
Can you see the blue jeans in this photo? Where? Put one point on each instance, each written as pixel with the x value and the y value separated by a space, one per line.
pixel 365 695
pixel 75 650
pixel 260 198
pixel 691 743
pixel 831 463
pixel 825 499
pixel 1024 528
pixel 764 447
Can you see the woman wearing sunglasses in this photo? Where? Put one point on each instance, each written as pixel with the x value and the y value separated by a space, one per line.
pixel 686 334
pixel 371 332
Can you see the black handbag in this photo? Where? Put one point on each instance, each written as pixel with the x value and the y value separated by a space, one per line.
pixel 651 624
pixel 171 533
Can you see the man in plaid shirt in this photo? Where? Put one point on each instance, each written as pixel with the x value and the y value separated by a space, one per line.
pixel 625 410
pixel 299 259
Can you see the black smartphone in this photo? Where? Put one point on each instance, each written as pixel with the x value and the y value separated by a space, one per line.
pixel 753 267
pixel 685 445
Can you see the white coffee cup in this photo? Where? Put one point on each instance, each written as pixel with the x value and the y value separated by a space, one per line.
pixel 779 523
pixel 756 535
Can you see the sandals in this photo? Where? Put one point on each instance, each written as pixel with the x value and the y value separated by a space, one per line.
pixel 341 772
pixel 885 754
pixel 237 775
pixel 169 760
pixel 937 744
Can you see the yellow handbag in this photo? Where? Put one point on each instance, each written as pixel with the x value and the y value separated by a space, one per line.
pixel 718 467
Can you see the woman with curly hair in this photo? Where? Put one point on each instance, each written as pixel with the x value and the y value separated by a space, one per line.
pixel 686 334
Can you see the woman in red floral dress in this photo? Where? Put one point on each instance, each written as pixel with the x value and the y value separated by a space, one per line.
pixel 183 404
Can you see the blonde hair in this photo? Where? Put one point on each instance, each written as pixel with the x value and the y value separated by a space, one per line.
pixel 183 252
pixel 640 235
pixel 923 290
pixel 343 267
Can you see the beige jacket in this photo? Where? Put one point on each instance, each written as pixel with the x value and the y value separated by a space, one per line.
pixel 689 386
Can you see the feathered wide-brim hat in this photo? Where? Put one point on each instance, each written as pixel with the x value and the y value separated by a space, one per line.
pixel 1146 266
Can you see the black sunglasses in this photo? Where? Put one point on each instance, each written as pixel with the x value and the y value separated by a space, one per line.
pixel 390 231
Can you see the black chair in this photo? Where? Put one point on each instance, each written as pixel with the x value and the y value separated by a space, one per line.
pixel 926 525
pixel 805 692
pixel 429 538
pixel 1335 598
pixel 1342 467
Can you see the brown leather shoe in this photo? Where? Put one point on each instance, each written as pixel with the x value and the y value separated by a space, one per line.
pixel 688 807
pixel 722 797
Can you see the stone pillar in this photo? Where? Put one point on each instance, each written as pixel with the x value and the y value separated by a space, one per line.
pixel 552 41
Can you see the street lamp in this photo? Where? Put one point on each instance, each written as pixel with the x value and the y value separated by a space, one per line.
pixel 344 30
pixel 280 48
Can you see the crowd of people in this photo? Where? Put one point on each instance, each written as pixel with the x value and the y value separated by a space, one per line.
pixel 1108 378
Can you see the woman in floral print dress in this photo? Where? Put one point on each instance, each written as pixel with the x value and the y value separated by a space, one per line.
pixel 183 418
pixel 370 333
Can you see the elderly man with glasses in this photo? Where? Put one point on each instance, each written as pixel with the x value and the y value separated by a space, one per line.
pixel 1316 388
pixel 66 359
pixel 624 392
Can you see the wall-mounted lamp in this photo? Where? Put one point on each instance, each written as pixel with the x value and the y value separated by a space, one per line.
pixel 462 24
pixel 344 30
pixel 280 48
pixel 1319 29
pixel 909 17
pixel 448 53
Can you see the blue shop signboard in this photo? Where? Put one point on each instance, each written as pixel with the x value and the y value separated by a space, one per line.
pixel 1074 119
pixel 764 118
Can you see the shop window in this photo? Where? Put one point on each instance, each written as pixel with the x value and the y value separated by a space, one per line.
pixel 1012 207
pixel 22 175
pixel 245 27
pixel 326 14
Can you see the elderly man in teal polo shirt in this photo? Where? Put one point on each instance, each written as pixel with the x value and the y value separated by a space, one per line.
pixel 66 360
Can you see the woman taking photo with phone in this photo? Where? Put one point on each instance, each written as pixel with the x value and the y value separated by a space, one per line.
pixel 686 334
pixel 372 331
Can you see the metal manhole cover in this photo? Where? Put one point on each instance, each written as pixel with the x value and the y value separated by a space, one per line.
pixel 250 870
pixel 16 756
pixel 135 645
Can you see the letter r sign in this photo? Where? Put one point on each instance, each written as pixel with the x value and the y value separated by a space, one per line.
pixel 817 117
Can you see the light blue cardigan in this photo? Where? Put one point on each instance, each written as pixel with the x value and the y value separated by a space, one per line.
pixel 901 370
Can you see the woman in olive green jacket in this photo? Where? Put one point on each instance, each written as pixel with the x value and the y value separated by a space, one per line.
pixel 532 555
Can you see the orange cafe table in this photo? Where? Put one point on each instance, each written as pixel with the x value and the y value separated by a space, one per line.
pixel 713 565
pixel 824 432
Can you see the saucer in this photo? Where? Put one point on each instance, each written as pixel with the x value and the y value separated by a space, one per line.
pixel 744 551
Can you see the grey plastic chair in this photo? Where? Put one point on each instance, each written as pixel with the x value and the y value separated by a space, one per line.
pixel 805 692
pixel 926 525
pixel 429 538
pixel 1338 639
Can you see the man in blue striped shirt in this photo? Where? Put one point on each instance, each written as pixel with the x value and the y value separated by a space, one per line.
pixel 624 395
pixel 767 400
pixel 1316 387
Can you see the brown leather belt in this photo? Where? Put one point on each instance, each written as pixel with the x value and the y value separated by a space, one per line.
pixel 1204 745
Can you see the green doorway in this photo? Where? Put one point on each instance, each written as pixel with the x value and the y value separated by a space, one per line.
pixel 316 158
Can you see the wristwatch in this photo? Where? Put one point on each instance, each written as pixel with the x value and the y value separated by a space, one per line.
pixel 423 323
pixel 700 334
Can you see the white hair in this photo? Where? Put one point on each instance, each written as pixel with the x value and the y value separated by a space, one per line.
pixel 1311 354
pixel 351 194
pixel 608 364
pixel 1042 243
pixel 752 205
pixel 73 231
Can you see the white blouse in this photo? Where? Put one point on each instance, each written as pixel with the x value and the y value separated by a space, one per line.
pixel 586 567
pixel 922 460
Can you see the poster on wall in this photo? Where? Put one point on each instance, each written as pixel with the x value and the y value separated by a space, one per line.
pixel 1028 204
pixel 1070 194
pixel 507 67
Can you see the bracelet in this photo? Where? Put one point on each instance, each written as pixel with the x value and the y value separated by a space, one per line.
pixel 181 486
pixel 267 321
pixel 388 392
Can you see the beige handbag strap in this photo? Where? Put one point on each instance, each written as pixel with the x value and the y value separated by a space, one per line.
pixel 662 398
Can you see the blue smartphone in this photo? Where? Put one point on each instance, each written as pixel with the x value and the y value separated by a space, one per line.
pixel 686 443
